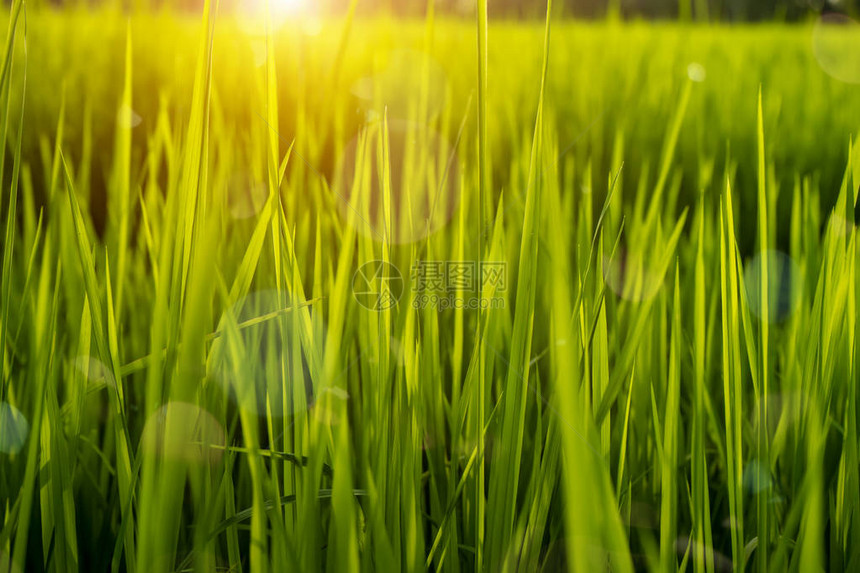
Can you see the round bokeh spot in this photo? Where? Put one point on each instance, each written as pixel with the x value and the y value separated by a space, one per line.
pixel 14 429
pixel 6 565
pixel 423 180
pixel 183 432
pixel 757 478
pixel 95 371
pixel 696 72
pixel 258 377
pixel 405 74
pixel 784 284
pixel 246 196
pixel 127 118
pixel 836 46
pixel 840 225
pixel 259 51
pixel 328 405
pixel 632 276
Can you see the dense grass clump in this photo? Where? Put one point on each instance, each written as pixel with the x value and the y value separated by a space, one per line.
pixel 371 295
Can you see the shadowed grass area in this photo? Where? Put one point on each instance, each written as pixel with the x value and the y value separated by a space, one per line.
pixel 382 295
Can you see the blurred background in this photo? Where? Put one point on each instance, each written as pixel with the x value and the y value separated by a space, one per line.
pixel 695 10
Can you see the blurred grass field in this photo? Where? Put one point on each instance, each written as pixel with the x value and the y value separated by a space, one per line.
pixel 663 377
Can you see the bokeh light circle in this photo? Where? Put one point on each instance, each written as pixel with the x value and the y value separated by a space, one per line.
pixel 836 46
pixel 14 429
pixel 260 379
pixel 424 181
pixel 406 76
pixel 696 72
pixel 785 284
pixel 127 118
pixel 246 196
pixel 95 371
pixel 632 276
pixel 6 565
pixel 183 432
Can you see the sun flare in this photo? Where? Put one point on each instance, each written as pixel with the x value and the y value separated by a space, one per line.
pixel 255 16
pixel 290 6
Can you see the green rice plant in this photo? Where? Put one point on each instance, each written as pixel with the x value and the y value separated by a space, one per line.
pixel 221 350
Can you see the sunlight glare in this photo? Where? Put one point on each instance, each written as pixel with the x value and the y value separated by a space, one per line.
pixel 290 6
pixel 253 14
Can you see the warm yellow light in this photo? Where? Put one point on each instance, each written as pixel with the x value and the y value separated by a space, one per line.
pixel 289 6
pixel 256 16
